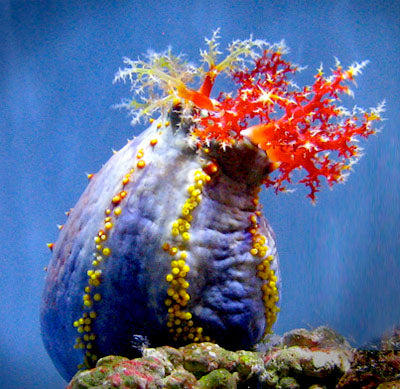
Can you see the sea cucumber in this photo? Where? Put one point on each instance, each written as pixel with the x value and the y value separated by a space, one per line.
pixel 168 241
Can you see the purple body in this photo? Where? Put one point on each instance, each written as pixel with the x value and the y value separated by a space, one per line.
pixel 129 296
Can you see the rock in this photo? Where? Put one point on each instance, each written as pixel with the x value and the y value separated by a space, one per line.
pixel 391 340
pixel 371 368
pixel 318 359
pixel 320 337
pixel 311 357
pixel 163 356
pixel 288 383
pixel 205 357
pixel 390 385
pixel 250 364
pixel 179 378
pixel 146 372
pixel 218 379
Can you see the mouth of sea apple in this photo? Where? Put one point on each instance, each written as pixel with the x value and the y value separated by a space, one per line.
pixel 242 162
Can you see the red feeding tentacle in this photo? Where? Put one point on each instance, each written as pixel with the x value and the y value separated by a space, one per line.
pixel 299 129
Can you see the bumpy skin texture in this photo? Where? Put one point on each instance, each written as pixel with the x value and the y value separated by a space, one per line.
pixel 226 298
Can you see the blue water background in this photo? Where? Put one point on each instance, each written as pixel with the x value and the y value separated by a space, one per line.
pixel 340 260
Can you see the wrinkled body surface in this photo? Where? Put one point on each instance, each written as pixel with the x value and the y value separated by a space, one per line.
pixel 163 244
